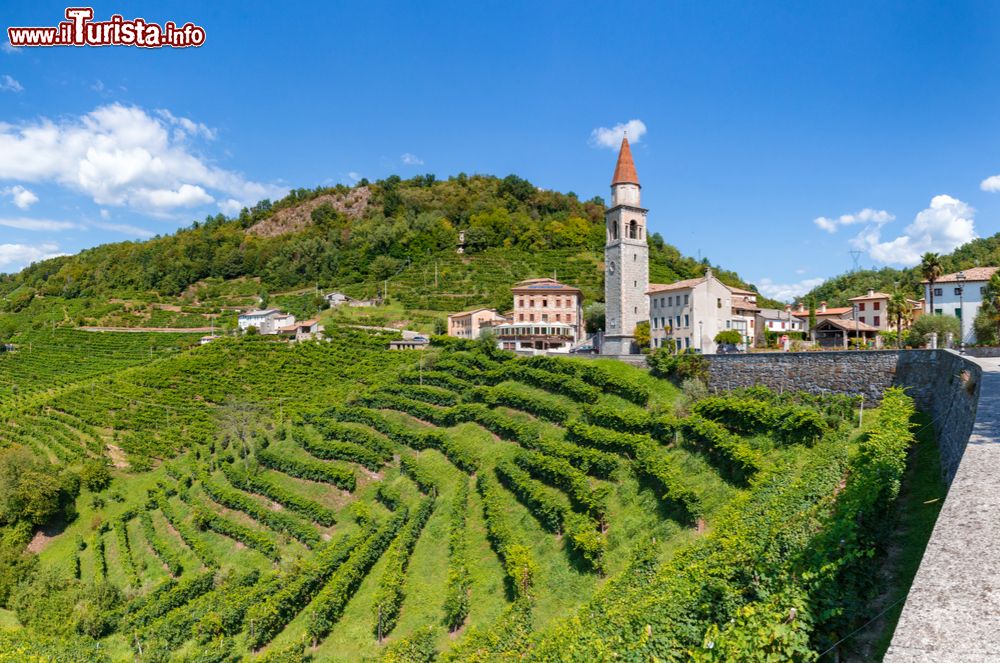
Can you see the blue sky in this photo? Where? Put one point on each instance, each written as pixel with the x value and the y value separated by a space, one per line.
pixel 777 136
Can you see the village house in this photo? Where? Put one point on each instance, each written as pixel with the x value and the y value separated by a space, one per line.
pixel 872 309
pixel 548 316
pixel 266 321
pixel 960 294
pixel 418 343
pixel 745 311
pixel 302 331
pixel 334 299
pixel 778 321
pixel 836 333
pixel 823 312
pixel 690 313
pixel 470 324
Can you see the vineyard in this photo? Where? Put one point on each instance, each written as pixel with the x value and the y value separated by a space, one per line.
pixel 332 499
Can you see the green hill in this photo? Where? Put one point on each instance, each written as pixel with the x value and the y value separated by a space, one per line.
pixel 395 236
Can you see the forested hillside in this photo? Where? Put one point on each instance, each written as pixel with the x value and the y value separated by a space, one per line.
pixel 983 252
pixel 399 235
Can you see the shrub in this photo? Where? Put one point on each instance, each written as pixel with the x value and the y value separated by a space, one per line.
pixel 678 367
pixel 95 475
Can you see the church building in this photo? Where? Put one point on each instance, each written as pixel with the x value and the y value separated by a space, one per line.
pixel 626 259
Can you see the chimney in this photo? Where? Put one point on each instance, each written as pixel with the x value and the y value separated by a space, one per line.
pixel 802 307
pixel 822 307
pixel 871 291
pixel 788 308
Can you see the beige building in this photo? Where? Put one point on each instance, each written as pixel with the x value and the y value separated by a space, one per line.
pixel 823 312
pixel 690 313
pixel 548 315
pixel 872 309
pixel 469 324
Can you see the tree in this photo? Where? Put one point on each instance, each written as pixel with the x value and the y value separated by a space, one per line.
pixel 900 311
pixel 930 269
pixel 812 316
pixel 642 334
pixel 31 490
pixel 593 316
pixel 728 337
pixel 987 322
pixel 941 324
pixel 95 475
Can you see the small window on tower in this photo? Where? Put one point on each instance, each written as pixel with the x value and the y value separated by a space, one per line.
pixel 635 284
pixel 635 309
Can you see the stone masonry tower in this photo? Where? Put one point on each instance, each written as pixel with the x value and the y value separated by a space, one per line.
pixel 626 259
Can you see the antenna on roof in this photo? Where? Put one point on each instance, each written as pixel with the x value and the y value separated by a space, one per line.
pixel 856 257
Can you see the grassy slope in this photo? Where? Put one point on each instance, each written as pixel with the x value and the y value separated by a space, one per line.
pixel 633 509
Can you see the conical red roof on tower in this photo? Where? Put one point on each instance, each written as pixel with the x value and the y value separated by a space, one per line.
pixel 625 169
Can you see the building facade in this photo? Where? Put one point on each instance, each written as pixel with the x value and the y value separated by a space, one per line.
pixel 777 321
pixel 266 321
pixel 470 324
pixel 872 309
pixel 626 259
pixel 960 294
pixel 548 316
pixel 688 314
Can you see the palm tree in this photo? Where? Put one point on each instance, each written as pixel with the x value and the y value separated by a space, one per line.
pixel 899 309
pixel 930 268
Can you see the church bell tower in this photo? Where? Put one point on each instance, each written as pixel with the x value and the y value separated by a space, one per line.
pixel 626 259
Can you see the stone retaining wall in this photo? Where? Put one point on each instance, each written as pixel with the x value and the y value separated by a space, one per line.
pixel 943 383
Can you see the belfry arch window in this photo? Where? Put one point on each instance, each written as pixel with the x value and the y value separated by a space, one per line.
pixel 613 229
pixel 633 229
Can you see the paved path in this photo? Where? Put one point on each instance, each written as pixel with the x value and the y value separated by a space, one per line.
pixel 952 612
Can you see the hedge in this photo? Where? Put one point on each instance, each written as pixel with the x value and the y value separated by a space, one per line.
pixel 249 479
pixel 279 521
pixel 307 468
pixel 456 602
pixel 506 541
pixel 559 473
pixel 259 541
pixel 276 610
pixel 166 554
pixel 786 423
pixel 389 595
pixel 328 606
pixel 735 459
pixel 419 474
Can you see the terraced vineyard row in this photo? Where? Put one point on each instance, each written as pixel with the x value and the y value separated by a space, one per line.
pixel 371 507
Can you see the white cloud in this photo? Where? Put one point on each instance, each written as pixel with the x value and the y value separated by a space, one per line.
pixel 8 84
pixel 184 127
pixel 230 206
pixel 7 48
pixel 123 156
pixel 22 223
pixel 944 226
pixel 411 159
pixel 20 196
pixel 15 256
pixel 867 215
pixel 354 176
pixel 126 229
pixel 786 292
pixel 612 138
pixel 991 184
pixel 105 214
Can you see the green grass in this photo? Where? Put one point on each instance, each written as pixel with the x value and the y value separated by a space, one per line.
pixel 920 500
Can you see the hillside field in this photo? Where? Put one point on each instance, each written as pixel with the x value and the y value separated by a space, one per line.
pixel 334 500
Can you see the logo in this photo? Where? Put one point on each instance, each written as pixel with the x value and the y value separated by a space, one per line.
pixel 79 29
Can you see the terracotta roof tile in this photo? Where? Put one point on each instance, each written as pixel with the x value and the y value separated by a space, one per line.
pixel 625 169
pixel 971 274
